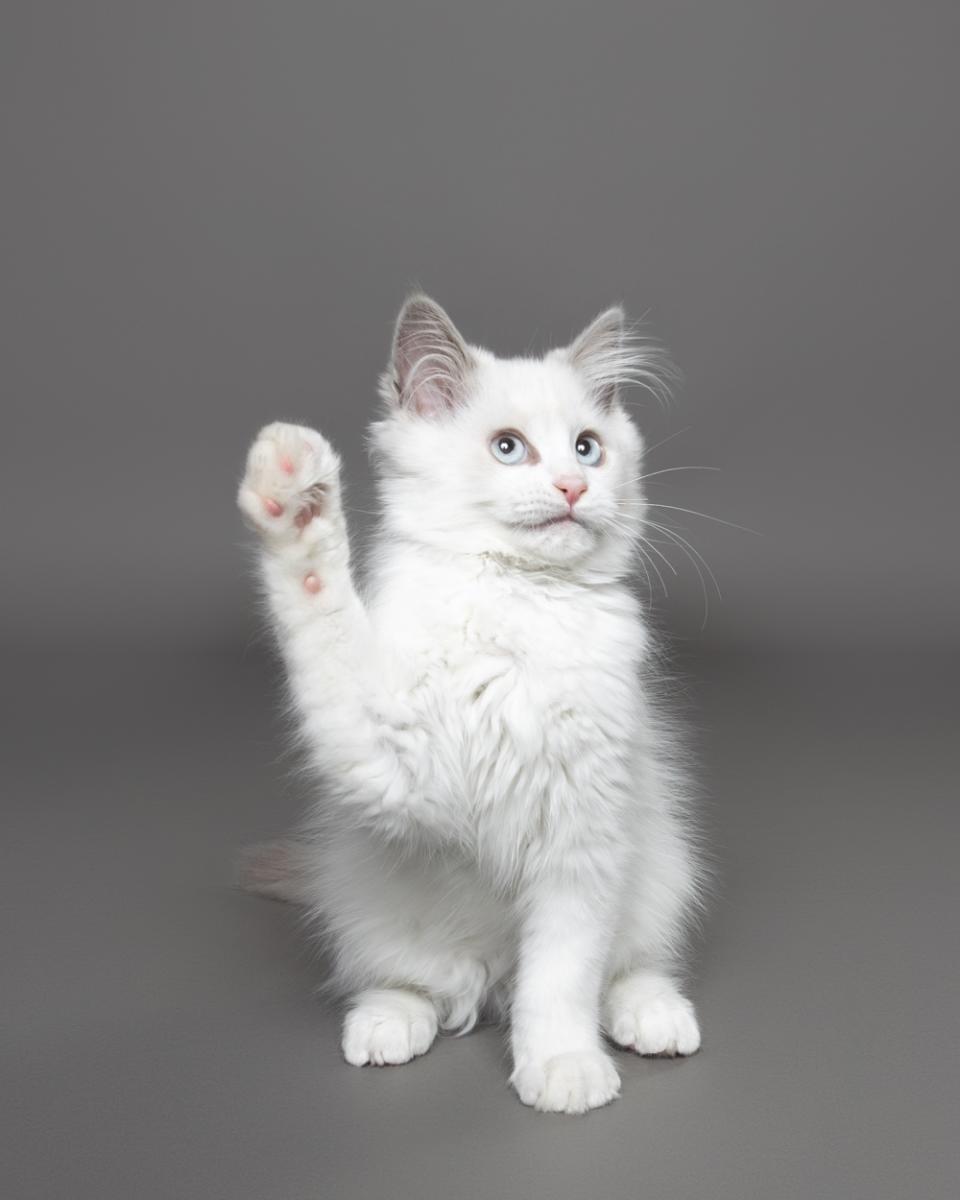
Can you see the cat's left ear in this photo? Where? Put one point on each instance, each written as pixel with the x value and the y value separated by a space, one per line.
pixel 430 362
pixel 609 357
pixel 598 355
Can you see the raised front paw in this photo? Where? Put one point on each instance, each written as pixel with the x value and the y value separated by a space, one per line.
pixel 290 491
pixel 569 1083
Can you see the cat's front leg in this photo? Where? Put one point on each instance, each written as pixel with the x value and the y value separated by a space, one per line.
pixel 560 1064
pixel 290 494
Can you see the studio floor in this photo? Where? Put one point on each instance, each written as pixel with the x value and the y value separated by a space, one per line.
pixel 162 1039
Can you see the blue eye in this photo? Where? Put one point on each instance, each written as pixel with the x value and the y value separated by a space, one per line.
pixel 508 448
pixel 589 450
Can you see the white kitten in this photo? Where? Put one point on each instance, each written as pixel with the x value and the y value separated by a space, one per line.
pixel 500 824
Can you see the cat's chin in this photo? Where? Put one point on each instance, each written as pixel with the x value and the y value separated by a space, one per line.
pixel 560 541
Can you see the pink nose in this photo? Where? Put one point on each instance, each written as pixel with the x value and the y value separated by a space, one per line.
pixel 572 486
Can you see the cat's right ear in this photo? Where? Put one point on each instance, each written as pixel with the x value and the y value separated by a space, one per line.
pixel 429 363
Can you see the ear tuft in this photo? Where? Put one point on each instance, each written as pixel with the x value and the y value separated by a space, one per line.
pixel 430 361
pixel 611 356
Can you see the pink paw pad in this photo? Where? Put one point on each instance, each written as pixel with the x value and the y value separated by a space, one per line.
pixel 286 465
pixel 312 583
pixel 273 507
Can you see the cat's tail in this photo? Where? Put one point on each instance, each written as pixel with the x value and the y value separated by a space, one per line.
pixel 277 870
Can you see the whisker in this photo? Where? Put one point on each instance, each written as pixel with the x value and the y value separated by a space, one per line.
pixel 634 532
pixel 683 543
pixel 663 471
pixel 647 542
pixel 643 502
pixel 656 445
pixel 646 576
pixel 706 516
pixel 647 559
pixel 696 558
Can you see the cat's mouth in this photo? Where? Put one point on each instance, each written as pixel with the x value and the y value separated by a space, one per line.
pixel 550 522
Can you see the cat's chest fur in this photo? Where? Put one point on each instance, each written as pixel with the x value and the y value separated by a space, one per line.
pixel 525 687
pixel 460 630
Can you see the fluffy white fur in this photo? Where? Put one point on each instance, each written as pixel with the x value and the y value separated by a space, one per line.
pixel 501 823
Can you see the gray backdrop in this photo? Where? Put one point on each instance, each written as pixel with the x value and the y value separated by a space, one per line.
pixel 212 210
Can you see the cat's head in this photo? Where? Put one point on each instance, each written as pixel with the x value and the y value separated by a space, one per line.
pixel 533 460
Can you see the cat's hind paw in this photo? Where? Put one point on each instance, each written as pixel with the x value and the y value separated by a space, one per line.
pixel 388 1027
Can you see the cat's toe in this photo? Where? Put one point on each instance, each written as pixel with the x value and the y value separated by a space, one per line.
pixel 388 1028
pixel 568 1083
